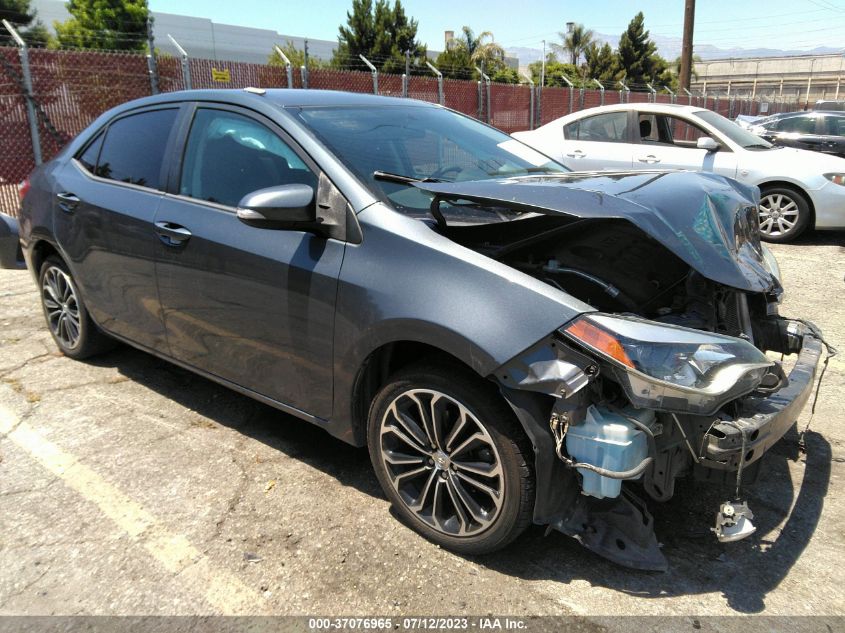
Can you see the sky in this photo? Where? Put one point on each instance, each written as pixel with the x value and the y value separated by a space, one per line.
pixel 783 24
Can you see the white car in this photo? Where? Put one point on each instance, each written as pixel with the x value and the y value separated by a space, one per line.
pixel 799 189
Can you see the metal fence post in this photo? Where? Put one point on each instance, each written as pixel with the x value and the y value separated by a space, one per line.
pixel 288 67
pixel 23 51
pixel 186 68
pixel 571 93
pixel 440 96
pixel 601 97
pixel 374 71
pixel 486 80
pixel 627 92
pixel 671 94
pixel 530 103
pixel 689 96
pixel 303 74
pixel 151 58
pixel 406 77
pixel 653 97
pixel 305 64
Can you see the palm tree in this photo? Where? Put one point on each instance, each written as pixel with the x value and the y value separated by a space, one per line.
pixel 479 49
pixel 575 42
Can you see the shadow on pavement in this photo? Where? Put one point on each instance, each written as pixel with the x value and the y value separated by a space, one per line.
pixel 744 572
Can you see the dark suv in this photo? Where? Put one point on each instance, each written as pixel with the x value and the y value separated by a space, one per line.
pixel 513 342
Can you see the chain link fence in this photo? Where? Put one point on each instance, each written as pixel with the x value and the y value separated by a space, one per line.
pixel 72 88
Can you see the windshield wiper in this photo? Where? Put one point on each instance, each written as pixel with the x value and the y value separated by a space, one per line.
pixel 398 178
pixel 759 146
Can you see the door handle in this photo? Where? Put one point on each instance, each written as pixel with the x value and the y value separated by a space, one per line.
pixel 576 154
pixel 172 234
pixel 651 158
pixel 67 201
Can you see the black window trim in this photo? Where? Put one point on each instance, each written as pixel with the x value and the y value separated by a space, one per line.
pixel 168 148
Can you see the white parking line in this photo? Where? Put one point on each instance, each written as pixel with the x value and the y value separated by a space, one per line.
pixel 220 588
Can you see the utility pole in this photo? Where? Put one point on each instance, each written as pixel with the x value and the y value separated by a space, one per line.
pixel 686 49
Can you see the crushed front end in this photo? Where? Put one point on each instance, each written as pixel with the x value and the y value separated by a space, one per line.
pixel 674 373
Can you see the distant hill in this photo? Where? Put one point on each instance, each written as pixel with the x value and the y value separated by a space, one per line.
pixel 670 48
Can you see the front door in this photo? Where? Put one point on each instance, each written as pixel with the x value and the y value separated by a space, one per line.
pixel 106 199
pixel 251 305
pixel 669 142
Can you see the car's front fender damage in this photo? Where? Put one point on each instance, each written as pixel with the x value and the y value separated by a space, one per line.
pixel 592 449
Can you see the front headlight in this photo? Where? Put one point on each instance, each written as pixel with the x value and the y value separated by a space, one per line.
pixel 836 179
pixel 669 367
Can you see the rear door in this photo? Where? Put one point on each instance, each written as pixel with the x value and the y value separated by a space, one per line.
pixel 598 142
pixel 251 305
pixel 106 198
pixel 834 131
pixel 669 142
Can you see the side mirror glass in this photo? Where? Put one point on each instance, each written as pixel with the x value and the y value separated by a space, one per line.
pixel 283 207
pixel 707 143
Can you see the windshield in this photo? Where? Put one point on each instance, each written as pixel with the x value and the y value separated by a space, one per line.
pixel 738 135
pixel 419 143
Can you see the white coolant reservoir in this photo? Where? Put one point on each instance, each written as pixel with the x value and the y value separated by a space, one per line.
pixel 608 440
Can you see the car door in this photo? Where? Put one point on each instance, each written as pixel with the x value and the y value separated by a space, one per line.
pixel 834 134
pixel 106 198
pixel 253 306
pixel 598 142
pixel 669 142
pixel 805 131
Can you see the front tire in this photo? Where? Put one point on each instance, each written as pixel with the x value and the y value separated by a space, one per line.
pixel 74 332
pixel 784 214
pixel 451 458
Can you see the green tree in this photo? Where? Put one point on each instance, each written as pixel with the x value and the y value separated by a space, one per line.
pixel 555 71
pixel 382 33
pixel 104 24
pixel 296 57
pixel 602 63
pixel 469 51
pixel 20 14
pixel 575 42
pixel 638 55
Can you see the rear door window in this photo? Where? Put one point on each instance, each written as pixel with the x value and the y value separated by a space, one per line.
pixel 799 124
pixel 607 128
pixel 134 146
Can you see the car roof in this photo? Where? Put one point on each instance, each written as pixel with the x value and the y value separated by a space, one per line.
pixel 284 97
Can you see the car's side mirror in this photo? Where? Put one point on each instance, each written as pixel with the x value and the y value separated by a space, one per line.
pixel 290 207
pixel 707 143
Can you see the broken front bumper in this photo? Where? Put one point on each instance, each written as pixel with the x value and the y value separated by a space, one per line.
pixel 763 420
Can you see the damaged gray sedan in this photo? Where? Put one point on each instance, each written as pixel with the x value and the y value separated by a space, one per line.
pixel 514 343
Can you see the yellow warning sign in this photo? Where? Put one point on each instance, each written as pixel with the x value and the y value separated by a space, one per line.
pixel 222 75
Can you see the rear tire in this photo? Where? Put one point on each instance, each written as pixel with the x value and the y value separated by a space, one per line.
pixel 68 320
pixel 451 457
pixel 784 214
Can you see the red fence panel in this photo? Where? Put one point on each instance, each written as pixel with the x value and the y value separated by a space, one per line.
pixel 509 107
pixel 349 80
pixel 423 88
pixel 462 96
pixel 16 159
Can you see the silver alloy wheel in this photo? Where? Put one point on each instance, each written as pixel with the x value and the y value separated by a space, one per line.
pixel 778 214
pixel 442 462
pixel 61 305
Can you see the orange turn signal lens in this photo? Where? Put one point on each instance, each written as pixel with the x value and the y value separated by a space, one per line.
pixel 600 340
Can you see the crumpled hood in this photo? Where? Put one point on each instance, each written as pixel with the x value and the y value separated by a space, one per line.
pixel 706 220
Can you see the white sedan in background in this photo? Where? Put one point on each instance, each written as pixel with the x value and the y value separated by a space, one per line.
pixel 799 189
